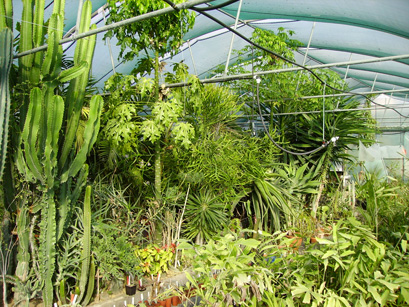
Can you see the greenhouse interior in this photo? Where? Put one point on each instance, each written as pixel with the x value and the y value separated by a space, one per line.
pixel 204 153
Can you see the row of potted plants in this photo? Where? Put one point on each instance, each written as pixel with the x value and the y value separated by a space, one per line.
pixel 169 297
pixel 173 297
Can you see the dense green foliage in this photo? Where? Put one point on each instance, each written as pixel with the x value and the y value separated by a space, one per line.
pixel 158 34
pixel 351 269
pixel 187 165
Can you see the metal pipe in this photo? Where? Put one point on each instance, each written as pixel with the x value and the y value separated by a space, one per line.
pixel 374 81
pixel 346 72
pixel 109 46
pixel 308 45
pixel 181 6
pixel 72 30
pixel 232 38
pixel 326 111
pixel 306 53
pixel 193 60
pixel 289 69
pixel 356 94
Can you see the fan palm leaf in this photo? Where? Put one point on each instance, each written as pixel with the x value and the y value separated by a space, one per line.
pixel 205 216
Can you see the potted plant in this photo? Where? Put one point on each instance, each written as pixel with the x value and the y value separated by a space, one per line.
pixel 154 260
pixel 130 285
pixel 237 281
pixel 133 272
pixel 177 297
pixel 304 230
pixel 296 239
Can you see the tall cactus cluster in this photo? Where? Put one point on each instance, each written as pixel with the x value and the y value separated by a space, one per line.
pixel 45 155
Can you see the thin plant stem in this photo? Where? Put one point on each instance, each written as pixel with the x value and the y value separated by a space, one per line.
pixel 180 224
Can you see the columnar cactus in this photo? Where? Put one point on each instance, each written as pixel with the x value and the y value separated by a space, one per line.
pixel 45 155
pixel 6 14
pixel 6 48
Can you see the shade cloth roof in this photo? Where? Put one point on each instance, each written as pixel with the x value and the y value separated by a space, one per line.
pixel 336 31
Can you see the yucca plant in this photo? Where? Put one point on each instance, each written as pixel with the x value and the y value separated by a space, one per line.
pixel 349 127
pixel 297 180
pixel 269 205
pixel 205 216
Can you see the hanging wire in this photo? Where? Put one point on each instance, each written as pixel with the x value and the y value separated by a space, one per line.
pixel 253 132
pixel 323 114
pixel 258 80
pixel 324 144
pixel 288 60
pixel 214 7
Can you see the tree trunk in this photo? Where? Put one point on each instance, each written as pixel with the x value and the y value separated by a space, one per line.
pixel 158 170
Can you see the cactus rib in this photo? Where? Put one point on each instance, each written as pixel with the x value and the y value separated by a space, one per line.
pixel 30 133
pixel 90 284
pixel 6 14
pixel 6 42
pixel 38 40
pixel 90 134
pixel 86 243
pixel 76 89
pixel 48 244
pixel 26 43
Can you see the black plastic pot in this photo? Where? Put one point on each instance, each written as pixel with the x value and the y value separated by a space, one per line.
pixel 130 290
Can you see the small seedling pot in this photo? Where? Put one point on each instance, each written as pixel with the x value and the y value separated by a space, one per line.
pixel 130 290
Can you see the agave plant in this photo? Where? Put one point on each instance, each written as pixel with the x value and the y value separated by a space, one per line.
pixel 205 215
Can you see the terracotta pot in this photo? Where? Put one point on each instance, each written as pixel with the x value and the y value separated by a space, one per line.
pixel 295 242
pixel 324 233
pixel 162 303
pixel 176 300
pixel 168 302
